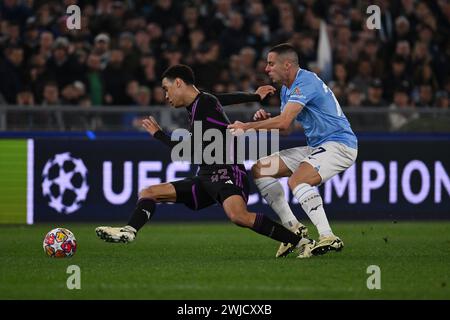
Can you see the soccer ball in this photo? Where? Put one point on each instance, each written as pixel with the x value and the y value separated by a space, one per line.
pixel 65 183
pixel 60 243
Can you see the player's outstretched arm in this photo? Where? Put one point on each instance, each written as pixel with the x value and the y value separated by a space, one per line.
pixel 289 130
pixel 152 127
pixel 281 122
pixel 261 114
pixel 227 99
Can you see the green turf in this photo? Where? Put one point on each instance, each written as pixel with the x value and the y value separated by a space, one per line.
pixel 222 261
pixel 13 177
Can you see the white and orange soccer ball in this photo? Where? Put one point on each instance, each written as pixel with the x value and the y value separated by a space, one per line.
pixel 60 243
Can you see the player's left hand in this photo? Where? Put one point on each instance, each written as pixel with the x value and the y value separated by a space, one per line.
pixel 151 125
pixel 263 91
pixel 237 127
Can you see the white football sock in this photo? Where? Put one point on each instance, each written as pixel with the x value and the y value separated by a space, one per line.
pixel 312 203
pixel 272 191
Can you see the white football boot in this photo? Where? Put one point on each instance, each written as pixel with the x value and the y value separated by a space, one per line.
pixel 304 248
pixel 327 243
pixel 286 248
pixel 121 234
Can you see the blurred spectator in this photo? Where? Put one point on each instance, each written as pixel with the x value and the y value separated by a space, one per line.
pixel 148 71
pixel 375 94
pixel 143 42
pixel 354 97
pixel 287 24
pixel 75 94
pixel 36 75
pixel 24 119
pixel 11 73
pixel 234 69
pixel 339 93
pixel 131 56
pixel 165 13
pixel 115 78
pixel 233 37
pixel 196 40
pixel 424 74
pixel 402 109
pixel 54 120
pixel 247 57
pixel 62 67
pixel 51 94
pixel 386 32
pixel 158 96
pixel 258 37
pixel 14 10
pixel 46 44
pixel 403 49
pixel 142 99
pixel 206 67
pixel 101 48
pixel 307 49
pixel 363 76
pixel 395 75
pixel 132 90
pixel 172 56
pixel 220 14
pixel 94 79
pixel 192 21
pixel 25 97
pixel 254 11
pixel 340 82
pixel 13 34
pixel 30 38
pixel 45 17
pixel 105 19
pixel 425 95
pixel 355 114
pixel 441 100
pixel 403 29
pixel 372 53
pixel 155 33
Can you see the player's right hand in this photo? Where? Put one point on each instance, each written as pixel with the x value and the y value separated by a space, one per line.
pixel 261 114
pixel 264 91
pixel 151 125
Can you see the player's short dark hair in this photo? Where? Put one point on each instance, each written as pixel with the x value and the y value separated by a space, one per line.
pixel 181 71
pixel 285 48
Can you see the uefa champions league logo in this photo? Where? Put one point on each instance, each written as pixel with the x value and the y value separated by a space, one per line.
pixel 64 183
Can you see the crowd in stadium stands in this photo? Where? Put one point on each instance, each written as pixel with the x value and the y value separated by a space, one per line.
pixel 118 55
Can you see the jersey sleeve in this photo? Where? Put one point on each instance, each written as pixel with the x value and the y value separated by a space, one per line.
pixel 165 138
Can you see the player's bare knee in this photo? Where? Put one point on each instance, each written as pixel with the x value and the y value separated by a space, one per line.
pixel 238 218
pixel 293 182
pixel 232 216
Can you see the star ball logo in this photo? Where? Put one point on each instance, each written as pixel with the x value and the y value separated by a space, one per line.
pixel 64 183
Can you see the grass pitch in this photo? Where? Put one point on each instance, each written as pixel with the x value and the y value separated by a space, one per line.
pixel 222 261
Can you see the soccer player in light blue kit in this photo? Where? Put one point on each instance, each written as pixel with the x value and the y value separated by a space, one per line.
pixel 331 148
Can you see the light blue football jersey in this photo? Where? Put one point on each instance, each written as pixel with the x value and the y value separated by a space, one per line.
pixel 321 117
